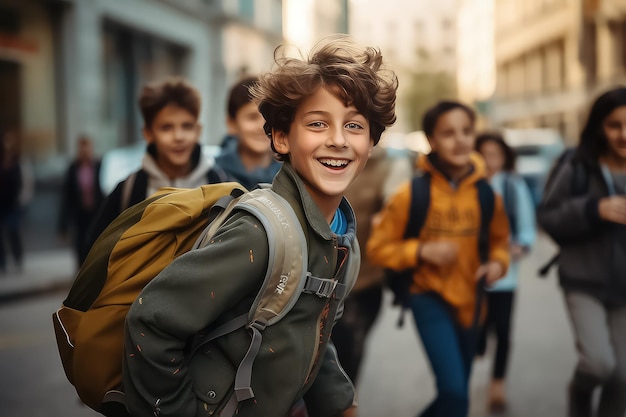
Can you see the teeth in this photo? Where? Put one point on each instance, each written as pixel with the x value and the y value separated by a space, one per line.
pixel 334 162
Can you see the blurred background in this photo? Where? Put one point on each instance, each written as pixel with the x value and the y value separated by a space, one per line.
pixel 71 67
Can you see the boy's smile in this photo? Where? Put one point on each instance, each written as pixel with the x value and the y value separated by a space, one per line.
pixel 328 144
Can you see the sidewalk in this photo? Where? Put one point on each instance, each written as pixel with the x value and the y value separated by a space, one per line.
pixel 43 271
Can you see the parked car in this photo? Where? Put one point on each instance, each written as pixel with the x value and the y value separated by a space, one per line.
pixel 118 163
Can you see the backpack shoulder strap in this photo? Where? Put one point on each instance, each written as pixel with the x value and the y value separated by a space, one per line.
pixel 420 201
pixel 286 277
pixel 487 200
pixel 132 187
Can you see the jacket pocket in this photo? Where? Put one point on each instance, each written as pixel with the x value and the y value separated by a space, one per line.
pixel 213 376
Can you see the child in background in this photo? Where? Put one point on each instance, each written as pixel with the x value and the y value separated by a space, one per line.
pixel 590 229
pixel 323 114
pixel 173 157
pixel 520 209
pixel 246 152
pixel 445 256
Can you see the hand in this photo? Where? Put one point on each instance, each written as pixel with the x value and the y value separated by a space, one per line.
pixel 492 271
pixel 613 209
pixel 439 253
pixel 517 252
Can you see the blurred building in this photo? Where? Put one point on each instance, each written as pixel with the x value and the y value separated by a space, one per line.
pixel 553 57
pixel 74 66
pixel 416 37
pixel 476 70
pixel 307 21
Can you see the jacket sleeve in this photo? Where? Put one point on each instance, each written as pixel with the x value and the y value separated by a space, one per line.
pixel 565 216
pixel 525 215
pixel 332 392
pixel 386 245
pixel 499 235
pixel 186 297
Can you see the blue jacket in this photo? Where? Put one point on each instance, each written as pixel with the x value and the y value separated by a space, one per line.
pixel 230 162
pixel 517 198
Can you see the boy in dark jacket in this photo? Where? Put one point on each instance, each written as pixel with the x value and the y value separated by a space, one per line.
pixel 324 116
pixel 173 157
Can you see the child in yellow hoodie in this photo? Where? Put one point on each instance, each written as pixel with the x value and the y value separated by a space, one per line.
pixel 445 256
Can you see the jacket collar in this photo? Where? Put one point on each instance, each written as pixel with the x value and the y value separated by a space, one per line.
pixel 289 185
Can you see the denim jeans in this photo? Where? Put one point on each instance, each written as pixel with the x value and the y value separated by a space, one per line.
pixel 450 350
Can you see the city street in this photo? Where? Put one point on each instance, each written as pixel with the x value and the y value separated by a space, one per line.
pixel 396 381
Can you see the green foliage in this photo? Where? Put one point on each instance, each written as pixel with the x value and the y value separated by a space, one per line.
pixel 425 90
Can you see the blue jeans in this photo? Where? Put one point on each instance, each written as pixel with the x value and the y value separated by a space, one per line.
pixel 450 350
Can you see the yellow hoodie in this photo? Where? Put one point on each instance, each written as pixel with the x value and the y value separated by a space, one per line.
pixel 453 215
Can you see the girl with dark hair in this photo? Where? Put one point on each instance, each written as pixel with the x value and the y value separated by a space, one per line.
pixel 518 203
pixel 591 232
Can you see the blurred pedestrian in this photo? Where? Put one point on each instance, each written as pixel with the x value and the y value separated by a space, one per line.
pixel 81 197
pixel 367 195
pixel 445 257
pixel 173 158
pixel 520 209
pixel 246 152
pixel 590 229
pixel 16 190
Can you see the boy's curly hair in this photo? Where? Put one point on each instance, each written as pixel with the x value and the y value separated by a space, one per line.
pixel 355 74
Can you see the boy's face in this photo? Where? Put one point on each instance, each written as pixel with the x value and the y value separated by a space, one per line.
pixel 175 133
pixel 453 138
pixel 248 127
pixel 328 145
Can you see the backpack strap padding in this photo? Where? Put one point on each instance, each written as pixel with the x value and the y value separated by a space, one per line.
pixel 487 200
pixel 287 271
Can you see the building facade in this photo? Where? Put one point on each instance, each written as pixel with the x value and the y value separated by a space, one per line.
pixel 553 57
pixel 76 66
pixel 418 41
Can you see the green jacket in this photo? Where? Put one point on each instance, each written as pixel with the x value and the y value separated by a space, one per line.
pixel 213 284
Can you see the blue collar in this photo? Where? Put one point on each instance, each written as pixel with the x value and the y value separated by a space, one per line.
pixel 339 225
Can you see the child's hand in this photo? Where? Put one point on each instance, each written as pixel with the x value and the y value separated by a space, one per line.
pixel 613 209
pixel 492 271
pixel 439 253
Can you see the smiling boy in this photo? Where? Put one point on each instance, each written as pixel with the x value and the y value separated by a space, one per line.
pixel 173 158
pixel 324 114
pixel 246 154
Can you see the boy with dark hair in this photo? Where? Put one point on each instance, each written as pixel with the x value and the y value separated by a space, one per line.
pixel 246 154
pixel 453 255
pixel 173 157
pixel 324 115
